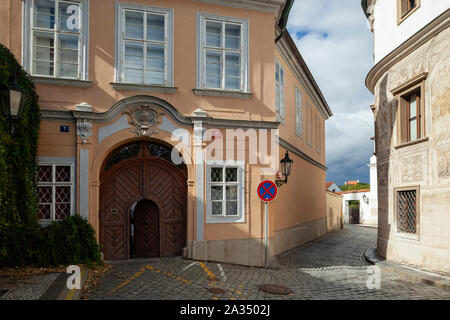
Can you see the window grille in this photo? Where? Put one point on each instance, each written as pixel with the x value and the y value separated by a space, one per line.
pixel 407 212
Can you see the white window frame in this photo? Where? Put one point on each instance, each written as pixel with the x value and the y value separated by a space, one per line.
pixel 280 108
pixel 54 184
pixel 202 18
pixel 27 39
pixel 240 217
pixel 120 41
pixel 298 113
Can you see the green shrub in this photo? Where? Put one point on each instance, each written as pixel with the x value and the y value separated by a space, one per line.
pixel 69 241
pixel 22 240
pixel 359 186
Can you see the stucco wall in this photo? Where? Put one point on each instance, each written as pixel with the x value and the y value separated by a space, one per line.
pixel 335 217
pixel 302 201
pixel 389 35
pixel 366 215
pixel 425 165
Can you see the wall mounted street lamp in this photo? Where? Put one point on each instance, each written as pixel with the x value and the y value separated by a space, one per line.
pixel 365 199
pixel 12 101
pixel 286 165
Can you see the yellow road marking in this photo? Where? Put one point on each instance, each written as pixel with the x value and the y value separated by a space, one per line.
pixel 71 292
pixel 151 268
pixel 212 276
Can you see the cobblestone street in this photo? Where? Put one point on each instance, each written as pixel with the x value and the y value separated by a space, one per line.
pixel 332 267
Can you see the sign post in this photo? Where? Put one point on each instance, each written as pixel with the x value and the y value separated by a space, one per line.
pixel 267 191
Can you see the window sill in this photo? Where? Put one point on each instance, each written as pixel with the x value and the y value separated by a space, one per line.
pixel 62 82
pixel 222 93
pixel 406 236
pixel 222 219
pixel 410 143
pixel 142 87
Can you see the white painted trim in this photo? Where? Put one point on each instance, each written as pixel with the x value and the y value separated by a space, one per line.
pixel 54 161
pixel 199 194
pixel 273 6
pixel 241 192
pixel 201 41
pixel 84 183
pixel 118 125
pixel 27 39
pixel 298 112
pixel 279 117
pixel 169 35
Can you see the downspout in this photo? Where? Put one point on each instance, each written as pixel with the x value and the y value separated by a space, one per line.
pixel 284 18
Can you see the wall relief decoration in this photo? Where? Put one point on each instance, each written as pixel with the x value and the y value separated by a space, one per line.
pixel 412 168
pixel 84 130
pixel 144 119
pixel 443 163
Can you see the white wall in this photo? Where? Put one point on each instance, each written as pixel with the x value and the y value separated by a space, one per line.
pixel 388 35
pixel 365 214
pixel 373 183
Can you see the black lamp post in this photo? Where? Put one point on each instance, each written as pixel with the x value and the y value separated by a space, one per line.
pixel 12 100
pixel 286 165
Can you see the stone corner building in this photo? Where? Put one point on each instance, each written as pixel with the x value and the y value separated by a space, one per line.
pixel 121 83
pixel 411 83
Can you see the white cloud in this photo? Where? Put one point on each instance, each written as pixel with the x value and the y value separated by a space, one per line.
pixel 336 44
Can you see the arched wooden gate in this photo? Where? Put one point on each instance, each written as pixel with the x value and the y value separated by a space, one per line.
pixel 135 172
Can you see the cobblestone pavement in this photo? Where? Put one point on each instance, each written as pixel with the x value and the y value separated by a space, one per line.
pixel 29 288
pixel 332 267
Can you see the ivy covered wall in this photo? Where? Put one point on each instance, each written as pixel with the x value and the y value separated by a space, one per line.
pixel 18 154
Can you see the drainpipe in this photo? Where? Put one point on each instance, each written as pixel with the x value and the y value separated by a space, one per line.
pixel 284 18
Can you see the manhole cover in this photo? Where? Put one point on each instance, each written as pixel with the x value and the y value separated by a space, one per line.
pixel 274 289
pixel 216 290
pixel 2 292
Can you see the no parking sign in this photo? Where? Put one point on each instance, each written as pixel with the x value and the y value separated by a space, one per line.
pixel 267 191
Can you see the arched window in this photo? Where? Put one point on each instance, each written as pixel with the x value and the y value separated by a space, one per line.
pixel 145 149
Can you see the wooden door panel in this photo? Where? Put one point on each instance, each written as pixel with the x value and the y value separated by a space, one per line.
pixel 134 180
pixel 146 232
pixel 117 191
pixel 167 186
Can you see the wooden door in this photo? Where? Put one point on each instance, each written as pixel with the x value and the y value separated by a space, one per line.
pixel 165 185
pixel 146 230
pixel 161 217
pixel 354 215
pixel 117 192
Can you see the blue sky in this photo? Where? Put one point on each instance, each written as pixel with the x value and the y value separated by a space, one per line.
pixel 334 38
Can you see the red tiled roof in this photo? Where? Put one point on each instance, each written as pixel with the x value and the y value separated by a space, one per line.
pixel 352 182
pixel 353 191
pixel 328 185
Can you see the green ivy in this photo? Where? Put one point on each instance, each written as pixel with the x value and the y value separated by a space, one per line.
pixel 22 240
pixel 18 152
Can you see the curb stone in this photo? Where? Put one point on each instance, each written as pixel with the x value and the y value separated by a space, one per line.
pixel 73 294
pixel 434 279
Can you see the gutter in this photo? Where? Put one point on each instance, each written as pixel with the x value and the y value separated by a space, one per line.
pixel 284 18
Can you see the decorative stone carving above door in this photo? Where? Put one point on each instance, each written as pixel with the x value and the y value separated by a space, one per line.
pixel 144 119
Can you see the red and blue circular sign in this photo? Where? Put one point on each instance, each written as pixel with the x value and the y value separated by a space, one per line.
pixel 267 190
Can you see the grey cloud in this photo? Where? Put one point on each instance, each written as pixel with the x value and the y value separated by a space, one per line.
pixel 339 63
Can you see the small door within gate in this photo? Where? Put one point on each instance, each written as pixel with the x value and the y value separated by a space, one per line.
pixel 146 230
